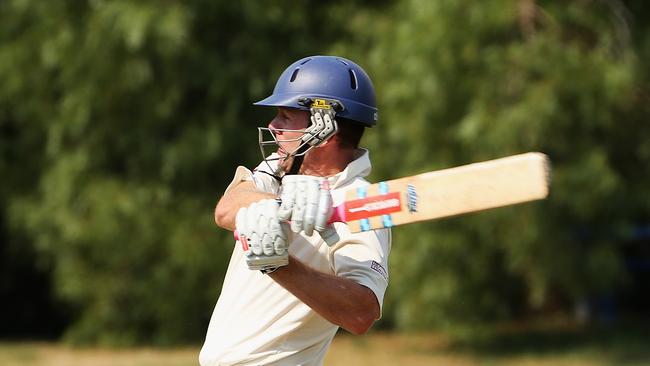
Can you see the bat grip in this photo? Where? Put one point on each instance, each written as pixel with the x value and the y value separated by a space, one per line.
pixel 338 215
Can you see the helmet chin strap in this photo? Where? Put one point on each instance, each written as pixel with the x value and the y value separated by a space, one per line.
pixel 296 164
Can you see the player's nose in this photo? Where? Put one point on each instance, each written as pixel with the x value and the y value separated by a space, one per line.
pixel 274 125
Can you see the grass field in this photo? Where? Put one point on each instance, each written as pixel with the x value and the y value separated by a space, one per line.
pixel 620 347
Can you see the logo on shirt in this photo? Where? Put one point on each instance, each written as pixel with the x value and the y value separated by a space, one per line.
pixel 379 269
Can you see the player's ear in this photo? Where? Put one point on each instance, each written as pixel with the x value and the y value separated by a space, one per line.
pixel 334 140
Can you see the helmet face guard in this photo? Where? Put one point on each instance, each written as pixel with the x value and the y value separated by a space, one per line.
pixel 269 142
pixel 323 126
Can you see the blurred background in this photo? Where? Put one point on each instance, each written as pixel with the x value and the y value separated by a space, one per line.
pixel 121 123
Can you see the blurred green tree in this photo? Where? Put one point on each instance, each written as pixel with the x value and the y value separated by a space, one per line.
pixel 121 122
pixel 460 82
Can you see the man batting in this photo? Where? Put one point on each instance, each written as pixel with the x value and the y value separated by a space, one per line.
pixel 294 279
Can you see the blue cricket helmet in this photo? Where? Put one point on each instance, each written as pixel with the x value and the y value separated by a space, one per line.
pixel 327 77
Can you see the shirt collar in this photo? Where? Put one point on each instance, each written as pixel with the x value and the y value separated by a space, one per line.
pixel 358 168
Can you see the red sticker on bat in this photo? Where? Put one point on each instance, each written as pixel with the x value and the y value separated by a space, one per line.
pixel 382 204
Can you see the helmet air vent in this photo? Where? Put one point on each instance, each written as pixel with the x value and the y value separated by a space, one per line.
pixel 294 75
pixel 353 79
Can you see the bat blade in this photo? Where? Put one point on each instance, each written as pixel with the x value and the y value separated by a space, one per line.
pixel 449 192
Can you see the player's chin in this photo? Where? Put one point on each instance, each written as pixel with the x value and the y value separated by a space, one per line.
pixel 285 163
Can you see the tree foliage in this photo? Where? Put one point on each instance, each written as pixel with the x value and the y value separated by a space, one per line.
pixel 121 123
pixel 490 79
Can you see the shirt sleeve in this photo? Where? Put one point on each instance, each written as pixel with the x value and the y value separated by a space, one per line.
pixel 363 258
pixel 261 176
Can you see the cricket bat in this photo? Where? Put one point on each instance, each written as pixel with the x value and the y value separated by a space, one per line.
pixel 443 193
pixel 449 192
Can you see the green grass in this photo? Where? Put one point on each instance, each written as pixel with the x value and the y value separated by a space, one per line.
pixel 53 354
pixel 616 346
pixel 625 344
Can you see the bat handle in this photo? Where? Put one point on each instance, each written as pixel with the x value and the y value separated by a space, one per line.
pixel 338 215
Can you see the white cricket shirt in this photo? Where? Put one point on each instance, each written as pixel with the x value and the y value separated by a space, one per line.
pixel 258 322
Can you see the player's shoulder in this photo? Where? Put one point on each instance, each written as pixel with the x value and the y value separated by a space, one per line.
pixel 339 193
pixel 264 177
pixel 356 182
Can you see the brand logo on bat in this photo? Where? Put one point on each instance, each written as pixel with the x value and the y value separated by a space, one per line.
pixel 412 198
pixel 373 206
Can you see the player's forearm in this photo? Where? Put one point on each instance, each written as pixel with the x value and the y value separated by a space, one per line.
pixel 339 300
pixel 240 196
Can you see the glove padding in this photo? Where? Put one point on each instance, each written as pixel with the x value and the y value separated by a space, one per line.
pixel 307 202
pixel 263 236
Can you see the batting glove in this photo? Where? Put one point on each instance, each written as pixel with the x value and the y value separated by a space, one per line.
pixel 263 236
pixel 307 202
